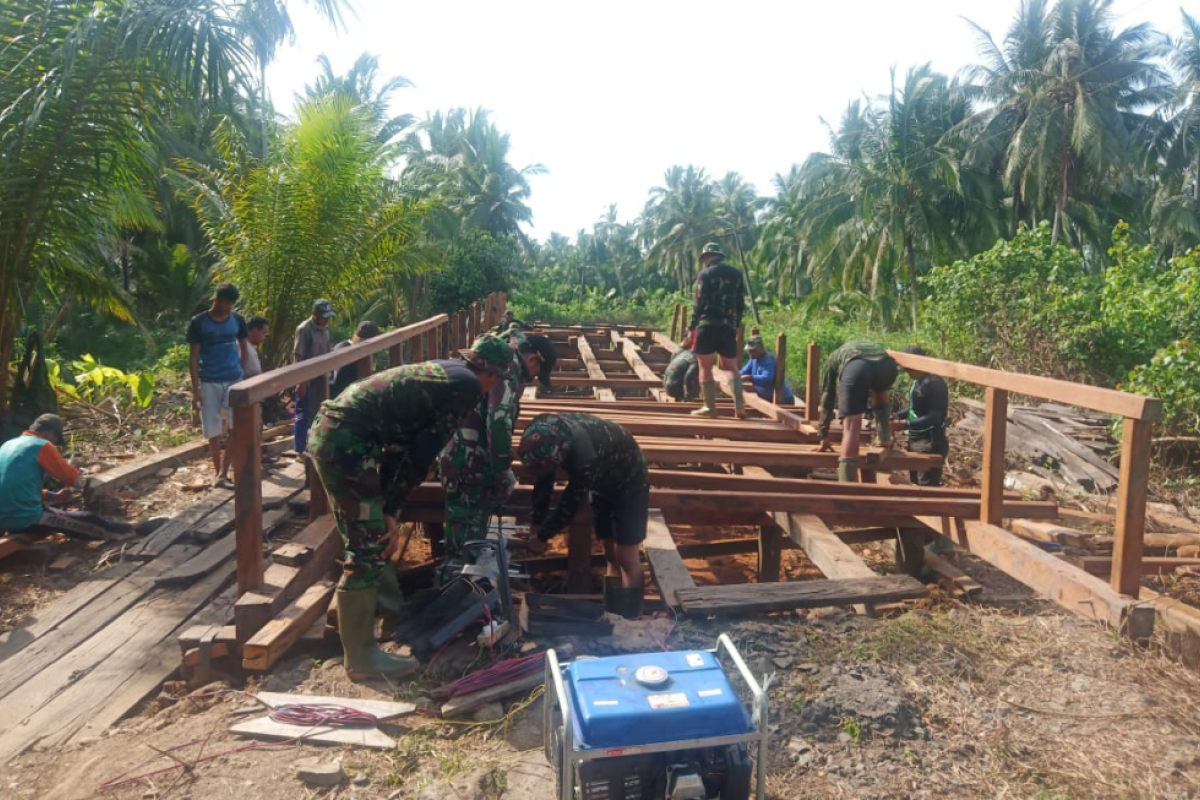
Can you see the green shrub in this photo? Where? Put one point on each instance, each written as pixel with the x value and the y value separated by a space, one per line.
pixel 1173 375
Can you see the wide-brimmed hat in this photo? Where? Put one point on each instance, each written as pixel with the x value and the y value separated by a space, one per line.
pixel 753 342
pixel 711 249
pixel 489 354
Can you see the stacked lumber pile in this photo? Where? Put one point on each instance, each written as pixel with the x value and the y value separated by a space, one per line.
pixel 1061 442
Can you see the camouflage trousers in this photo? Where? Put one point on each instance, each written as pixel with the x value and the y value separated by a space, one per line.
pixel 355 473
pixel 462 466
pixel 932 442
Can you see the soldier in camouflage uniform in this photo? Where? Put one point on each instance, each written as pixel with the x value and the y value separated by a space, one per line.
pixel 476 465
pixel 855 374
pixel 371 446
pixel 601 459
pixel 682 376
pixel 716 315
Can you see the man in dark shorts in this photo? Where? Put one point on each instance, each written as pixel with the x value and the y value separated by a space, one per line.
pixel 600 458
pixel 925 420
pixel 855 375
pixel 371 446
pixel 716 315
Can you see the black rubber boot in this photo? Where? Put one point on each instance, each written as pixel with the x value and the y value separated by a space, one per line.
pixel 627 602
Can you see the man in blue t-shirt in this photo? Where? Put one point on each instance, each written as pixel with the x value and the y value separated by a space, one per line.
pixel 761 371
pixel 219 352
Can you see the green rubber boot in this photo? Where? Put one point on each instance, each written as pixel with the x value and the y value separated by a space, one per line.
pixel 848 470
pixel 356 624
pixel 390 603
pixel 708 391
pixel 739 401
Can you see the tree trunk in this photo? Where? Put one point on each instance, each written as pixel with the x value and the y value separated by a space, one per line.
pixel 8 332
pixel 912 278
pixel 1060 201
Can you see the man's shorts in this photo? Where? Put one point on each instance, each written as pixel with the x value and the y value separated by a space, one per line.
pixel 860 378
pixel 716 339
pixel 622 517
pixel 214 401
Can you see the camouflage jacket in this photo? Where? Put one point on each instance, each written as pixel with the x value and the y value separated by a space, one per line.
pixel 720 297
pixel 404 415
pixel 600 457
pixel 681 379
pixel 481 450
pixel 832 374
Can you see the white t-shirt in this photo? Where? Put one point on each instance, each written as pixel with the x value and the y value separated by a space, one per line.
pixel 253 365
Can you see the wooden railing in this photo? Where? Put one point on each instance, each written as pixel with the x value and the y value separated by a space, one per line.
pixel 436 337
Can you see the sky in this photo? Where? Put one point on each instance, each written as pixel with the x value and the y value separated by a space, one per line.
pixel 609 95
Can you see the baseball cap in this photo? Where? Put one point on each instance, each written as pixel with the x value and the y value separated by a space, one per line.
pixel 711 249
pixel 753 341
pixel 490 353
pixel 323 307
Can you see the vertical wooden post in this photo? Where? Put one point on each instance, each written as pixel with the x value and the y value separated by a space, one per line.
pixel 395 355
pixel 439 347
pixel 245 454
pixel 910 551
pixel 318 501
pixel 780 367
pixel 455 331
pixel 503 307
pixel 995 429
pixel 472 323
pixel 1131 507
pixel 741 340
pixel 365 366
pixel 812 383
pixel 675 336
pixel 770 553
pixel 579 555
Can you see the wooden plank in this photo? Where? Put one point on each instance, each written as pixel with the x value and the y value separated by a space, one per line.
pixel 780 367
pixel 677 479
pixel 272 382
pixel 571 382
pixel 267 728
pixel 748 598
pixel 282 584
pixel 1070 587
pixel 111 480
pixel 822 546
pixel 10 545
pixel 272 641
pixel 579 550
pixel 1110 401
pixel 1131 507
pixel 961 582
pixel 1102 566
pixel 380 709
pixel 292 554
pixel 246 460
pixel 466 703
pixel 812 383
pixel 215 554
pixel 633 357
pixel 994 430
pixel 666 565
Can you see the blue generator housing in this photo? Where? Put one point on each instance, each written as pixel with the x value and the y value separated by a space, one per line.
pixel 655 725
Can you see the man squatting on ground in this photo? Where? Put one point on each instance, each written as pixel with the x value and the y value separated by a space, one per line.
pixel 681 378
pixel 600 458
pixel 855 374
pixel 760 369
pixel 219 353
pixel 371 446
pixel 716 314
pixel 476 466
pixel 925 420
pixel 25 462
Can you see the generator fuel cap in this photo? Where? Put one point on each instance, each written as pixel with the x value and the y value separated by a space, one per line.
pixel 651 675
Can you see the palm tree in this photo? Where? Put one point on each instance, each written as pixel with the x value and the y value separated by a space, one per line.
pixel 361 84
pixel 318 218
pixel 1072 91
pixel 85 89
pixel 679 219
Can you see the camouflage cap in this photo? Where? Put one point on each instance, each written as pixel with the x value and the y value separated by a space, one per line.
pixel 711 249
pixel 543 445
pixel 753 342
pixel 490 354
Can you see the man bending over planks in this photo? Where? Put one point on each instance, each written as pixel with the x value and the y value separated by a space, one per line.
pixel 925 420
pixel 856 375
pixel 600 458
pixel 371 446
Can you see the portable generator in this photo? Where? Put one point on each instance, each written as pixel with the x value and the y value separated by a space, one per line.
pixel 655 725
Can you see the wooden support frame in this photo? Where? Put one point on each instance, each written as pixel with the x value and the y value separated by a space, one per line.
pixel 995 430
pixel 666 565
pixel 812 383
pixel 1131 507
pixel 595 373
pixel 246 459
pixel 830 554
pixel 780 367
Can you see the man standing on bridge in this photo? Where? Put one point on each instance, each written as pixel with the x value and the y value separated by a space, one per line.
pixel 855 375
pixel 601 459
pixel 371 446
pixel 716 314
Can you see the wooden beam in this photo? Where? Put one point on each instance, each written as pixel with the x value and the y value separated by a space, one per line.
pixel 770 553
pixel 603 394
pixel 812 383
pixel 830 554
pixel 318 501
pixel 245 454
pixel 273 640
pixel 1110 401
pixel 1070 587
pixel 282 583
pixel 1102 566
pixel 995 427
pixel 748 598
pixel 567 382
pixel 780 367
pixel 633 357
pixel 1131 507
pixel 666 565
